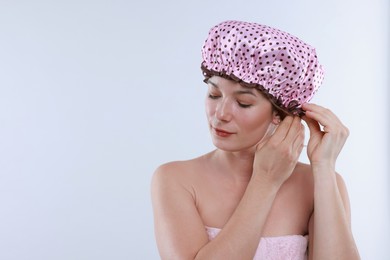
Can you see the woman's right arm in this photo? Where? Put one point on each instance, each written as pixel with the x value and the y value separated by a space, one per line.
pixel 179 229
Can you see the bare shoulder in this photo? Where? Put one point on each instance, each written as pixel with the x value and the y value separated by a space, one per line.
pixel 302 182
pixel 176 173
pixel 303 173
pixel 169 170
pixel 176 168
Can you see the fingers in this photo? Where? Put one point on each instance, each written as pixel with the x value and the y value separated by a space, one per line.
pixel 290 134
pixel 299 139
pixel 316 115
pixel 283 129
pixel 295 136
pixel 287 129
pixel 295 130
pixel 322 115
pixel 267 136
pixel 313 125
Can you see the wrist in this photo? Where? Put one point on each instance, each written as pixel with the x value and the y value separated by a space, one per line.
pixel 323 167
pixel 266 181
pixel 324 173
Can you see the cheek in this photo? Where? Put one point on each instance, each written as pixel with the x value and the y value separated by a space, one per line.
pixel 209 107
pixel 256 123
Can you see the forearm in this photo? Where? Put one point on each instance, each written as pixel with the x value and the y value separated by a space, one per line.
pixel 240 237
pixel 332 232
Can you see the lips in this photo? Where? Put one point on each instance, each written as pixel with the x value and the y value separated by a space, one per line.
pixel 222 133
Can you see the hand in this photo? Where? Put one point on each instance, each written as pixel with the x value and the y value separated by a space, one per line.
pixel 324 145
pixel 277 155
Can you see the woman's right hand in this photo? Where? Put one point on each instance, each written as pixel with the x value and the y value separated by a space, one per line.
pixel 276 156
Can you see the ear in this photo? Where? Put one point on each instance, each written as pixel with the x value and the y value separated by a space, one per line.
pixel 276 118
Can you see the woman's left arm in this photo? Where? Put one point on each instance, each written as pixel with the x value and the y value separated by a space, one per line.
pixel 330 224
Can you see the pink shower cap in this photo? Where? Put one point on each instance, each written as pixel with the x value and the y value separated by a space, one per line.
pixel 285 68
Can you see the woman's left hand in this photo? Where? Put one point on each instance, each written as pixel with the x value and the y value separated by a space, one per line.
pixel 324 145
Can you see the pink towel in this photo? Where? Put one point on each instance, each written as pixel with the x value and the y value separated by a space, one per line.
pixel 292 247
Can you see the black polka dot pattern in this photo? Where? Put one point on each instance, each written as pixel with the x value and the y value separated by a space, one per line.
pixel 257 55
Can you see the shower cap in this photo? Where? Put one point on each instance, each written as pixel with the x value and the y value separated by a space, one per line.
pixel 284 67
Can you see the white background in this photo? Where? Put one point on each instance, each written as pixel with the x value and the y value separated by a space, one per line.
pixel 94 95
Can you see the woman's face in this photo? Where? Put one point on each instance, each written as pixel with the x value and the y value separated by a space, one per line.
pixel 238 116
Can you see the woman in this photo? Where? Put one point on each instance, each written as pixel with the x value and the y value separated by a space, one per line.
pixel 251 198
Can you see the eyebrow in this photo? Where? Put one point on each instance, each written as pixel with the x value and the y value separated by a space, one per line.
pixel 250 92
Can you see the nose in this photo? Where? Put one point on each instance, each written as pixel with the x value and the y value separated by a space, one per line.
pixel 223 111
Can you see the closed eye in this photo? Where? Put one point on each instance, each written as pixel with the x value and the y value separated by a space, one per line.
pixel 213 96
pixel 243 105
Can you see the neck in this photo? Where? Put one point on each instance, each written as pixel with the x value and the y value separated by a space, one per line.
pixel 239 165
